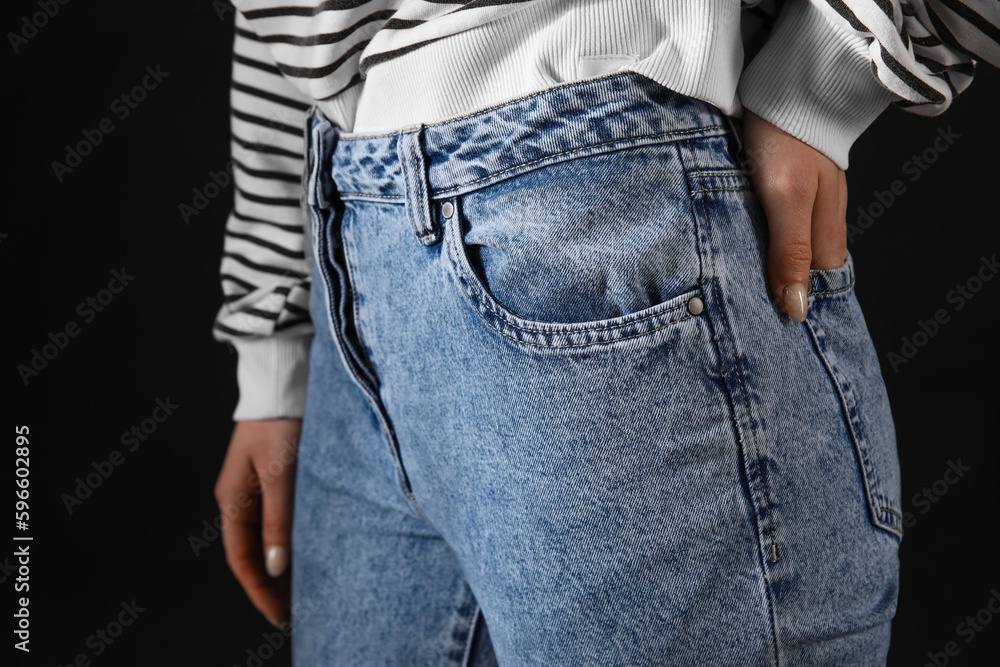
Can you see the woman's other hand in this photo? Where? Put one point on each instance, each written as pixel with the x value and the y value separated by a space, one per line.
pixel 255 491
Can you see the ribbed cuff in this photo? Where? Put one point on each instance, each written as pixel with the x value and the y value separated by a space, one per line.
pixel 814 80
pixel 271 373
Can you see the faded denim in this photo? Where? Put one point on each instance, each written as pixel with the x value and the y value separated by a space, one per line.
pixel 553 416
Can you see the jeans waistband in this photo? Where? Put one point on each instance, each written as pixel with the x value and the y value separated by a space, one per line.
pixel 434 161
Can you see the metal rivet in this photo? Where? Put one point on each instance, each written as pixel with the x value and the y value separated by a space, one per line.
pixel 447 209
pixel 696 306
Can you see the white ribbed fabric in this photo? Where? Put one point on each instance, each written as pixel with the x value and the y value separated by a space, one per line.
pixel 814 81
pixel 265 393
pixel 694 48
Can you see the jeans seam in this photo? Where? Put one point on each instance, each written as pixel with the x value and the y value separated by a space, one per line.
pixel 701 223
pixel 366 195
pixel 694 192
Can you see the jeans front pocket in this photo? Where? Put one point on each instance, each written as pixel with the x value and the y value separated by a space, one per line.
pixel 590 250
pixel 841 337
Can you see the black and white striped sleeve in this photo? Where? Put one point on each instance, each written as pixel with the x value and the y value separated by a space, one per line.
pixel 830 67
pixel 265 272
pixel 813 78
pixel 924 51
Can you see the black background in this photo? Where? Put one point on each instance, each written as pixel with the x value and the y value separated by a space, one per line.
pixel 120 209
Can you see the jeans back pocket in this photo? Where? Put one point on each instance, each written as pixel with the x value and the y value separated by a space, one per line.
pixel 841 336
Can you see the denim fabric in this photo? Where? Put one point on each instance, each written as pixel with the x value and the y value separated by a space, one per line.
pixel 553 416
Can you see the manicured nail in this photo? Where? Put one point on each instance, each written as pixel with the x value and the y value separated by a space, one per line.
pixel 276 561
pixel 795 301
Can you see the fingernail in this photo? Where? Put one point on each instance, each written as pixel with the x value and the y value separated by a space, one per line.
pixel 276 561
pixel 795 301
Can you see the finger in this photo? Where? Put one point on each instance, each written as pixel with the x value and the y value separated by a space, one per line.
pixel 788 205
pixel 240 505
pixel 278 487
pixel 244 557
pixel 829 221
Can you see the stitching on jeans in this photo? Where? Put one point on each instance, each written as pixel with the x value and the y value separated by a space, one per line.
pixel 502 316
pixel 835 291
pixel 553 155
pixel 418 172
pixel 818 335
pixel 598 342
pixel 582 148
pixel 322 242
pixel 746 187
pixel 719 173
pixel 703 223
pixel 750 410
pixel 365 194
pixel 463 281
pixel 858 431
pixel 409 209
pixel 873 495
pixel 756 419
pixel 566 152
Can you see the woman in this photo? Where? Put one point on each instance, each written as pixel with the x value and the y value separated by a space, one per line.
pixel 589 383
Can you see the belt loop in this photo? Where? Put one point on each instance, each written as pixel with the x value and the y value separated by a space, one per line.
pixel 322 140
pixel 413 161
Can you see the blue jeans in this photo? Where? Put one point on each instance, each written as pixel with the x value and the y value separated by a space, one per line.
pixel 553 416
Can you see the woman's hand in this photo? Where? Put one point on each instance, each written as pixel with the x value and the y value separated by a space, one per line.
pixel 804 196
pixel 255 491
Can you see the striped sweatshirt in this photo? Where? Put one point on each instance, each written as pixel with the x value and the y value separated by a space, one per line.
pixel 822 70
